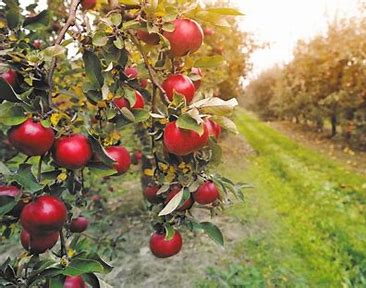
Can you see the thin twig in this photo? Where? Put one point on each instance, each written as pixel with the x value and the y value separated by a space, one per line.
pixel 63 244
pixel 70 21
pixel 39 173
pixel 150 69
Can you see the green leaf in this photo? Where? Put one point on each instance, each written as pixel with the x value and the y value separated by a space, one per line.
pixel 36 22
pixel 93 69
pixel 4 170
pixel 141 115
pixel 119 43
pixel 185 121
pixel 53 51
pixel 11 114
pixel 169 231
pixel 209 61
pixel 26 179
pixel 100 39
pixel 116 19
pixel 57 281
pixel 79 266
pixel 5 208
pixel 100 151
pixel 225 11
pixel 172 204
pixel 213 232
pixel 227 124
pixel 216 152
pixel 7 92
pixel 13 18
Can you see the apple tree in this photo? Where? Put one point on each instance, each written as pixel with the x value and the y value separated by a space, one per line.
pixel 72 90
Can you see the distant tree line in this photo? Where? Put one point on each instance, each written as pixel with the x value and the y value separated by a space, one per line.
pixel 325 83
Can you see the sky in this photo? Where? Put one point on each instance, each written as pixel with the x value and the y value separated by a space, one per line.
pixel 282 23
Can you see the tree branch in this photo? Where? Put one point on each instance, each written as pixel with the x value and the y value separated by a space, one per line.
pixel 150 69
pixel 70 21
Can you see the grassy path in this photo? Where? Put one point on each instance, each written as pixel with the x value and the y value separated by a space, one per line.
pixel 310 215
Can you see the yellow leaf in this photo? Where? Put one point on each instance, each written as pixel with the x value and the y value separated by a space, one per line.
pixel 62 176
pixel 149 172
pixel 70 252
pixel 102 104
pixel 163 166
pixel 55 118
pixel 2 23
pixel 182 165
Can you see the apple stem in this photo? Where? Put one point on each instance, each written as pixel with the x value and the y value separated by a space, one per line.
pixel 69 22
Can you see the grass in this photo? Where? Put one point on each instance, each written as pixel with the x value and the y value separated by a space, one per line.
pixel 307 214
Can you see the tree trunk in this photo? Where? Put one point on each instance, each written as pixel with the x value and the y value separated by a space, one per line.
pixel 333 121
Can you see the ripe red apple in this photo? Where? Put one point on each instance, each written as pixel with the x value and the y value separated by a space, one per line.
pixel 196 71
pixel 144 83
pixel 180 84
pixel 163 248
pixel 9 191
pixel 43 215
pixel 79 224
pixel 37 244
pixel 150 193
pixel 37 44
pixel 213 128
pixel 121 156
pixel 9 76
pixel 207 193
pixel 148 38
pixel 139 155
pixel 187 37
pixel 31 138
pixel 88 4
pixel 72 152
pixel 123 102
pixel 182 142
pixel 74 282
pixel 174 189
pixel 131 72
pixel 208 31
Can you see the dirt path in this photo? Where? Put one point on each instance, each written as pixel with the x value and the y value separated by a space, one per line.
pixel 354 160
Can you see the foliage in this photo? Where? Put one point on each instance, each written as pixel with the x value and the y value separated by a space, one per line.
pixel 324 81
pixel 70 82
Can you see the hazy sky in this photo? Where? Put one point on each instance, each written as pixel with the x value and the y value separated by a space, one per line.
pixel 283 22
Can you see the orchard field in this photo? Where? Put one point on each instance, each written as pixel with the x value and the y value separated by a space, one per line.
pixel 125 160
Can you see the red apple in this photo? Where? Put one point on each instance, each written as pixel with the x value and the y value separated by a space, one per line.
pixel 123 102
pixel 121 156
pixel 144 83
pixel 37 44
pixel 74 282
pixel 213 128
pixel 180 84
pixel 72 152
pixel 196 71
pixel 79 224
pixel 163 248
pixel 96 198
pixel 207 193
pixel 174 189
pixel 37 244
pixel 182 142
pixel 31 138
pixel 9 191
pixel 150 193
pixel 208 31
pixel 139 155
pixel 88 4
pixel 187 37
pixel 148 38
pixel 131 72
pixel 43 215
pixel 9 76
